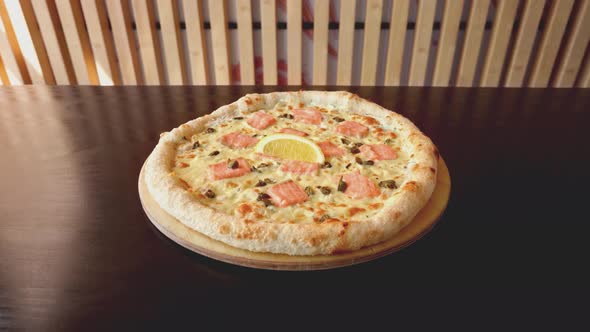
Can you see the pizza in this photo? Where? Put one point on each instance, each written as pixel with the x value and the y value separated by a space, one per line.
pixel 297 173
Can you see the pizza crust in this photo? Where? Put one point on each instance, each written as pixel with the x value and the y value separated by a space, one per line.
pixel 293 238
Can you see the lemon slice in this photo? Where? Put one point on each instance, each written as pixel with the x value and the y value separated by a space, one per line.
pixel 291 147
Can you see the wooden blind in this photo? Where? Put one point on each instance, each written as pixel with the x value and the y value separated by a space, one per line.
pixel 511 43
pixel 12 72
pixel 523 46
pixel 575 48
pixel 219 42
pixel 120 19
pixel 501 32
pixel 558 17
pixel 294 50
pixel 269 41
pixel 422 42
pixel 149 45
pixel 371 42
pixel 195 37
pixel 101 41
pixel 396 42
pixel 171 40
pixel 321 16
pixel 472 43
pixel 448 42
pixel 246 42
pixel 345 43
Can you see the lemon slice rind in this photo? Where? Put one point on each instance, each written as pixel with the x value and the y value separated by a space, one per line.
pixel 315 156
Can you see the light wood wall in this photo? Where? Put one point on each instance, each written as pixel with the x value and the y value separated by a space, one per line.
pixel 488 43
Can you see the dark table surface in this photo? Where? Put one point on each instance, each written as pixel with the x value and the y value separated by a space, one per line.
pixel 77 251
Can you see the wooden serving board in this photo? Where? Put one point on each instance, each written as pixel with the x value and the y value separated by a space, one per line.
pixel 209 247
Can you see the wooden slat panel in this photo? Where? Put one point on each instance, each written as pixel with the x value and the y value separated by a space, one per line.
pixel 321 14
pixel 269 41
pixel 294 35
pixel 584 80
pixel 196 42
pixel 61 40
pixel 246 42
pixel 38 43
pixel 101 41
pixel 547 52
pixel 472 44
pixel 501 31
pixel 149 44
pixel 172 42
pixel 371 41
pixel 77 41
pixel 50 38
pixel 422 40
pixel 575 48
pixel 523 45
pixel 346 42
pixel 220 42
pixel 3 77
pixel 447 43
pixel 397 39
pixel 9 60
pixel 120 17
pixel 13 44
pixel 25 41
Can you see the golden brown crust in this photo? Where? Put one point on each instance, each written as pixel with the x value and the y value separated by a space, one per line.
pixel 295 238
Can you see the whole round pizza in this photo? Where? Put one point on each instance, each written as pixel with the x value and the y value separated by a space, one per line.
pixel 298 173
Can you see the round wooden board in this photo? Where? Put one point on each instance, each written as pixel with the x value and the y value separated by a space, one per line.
pixel 204 245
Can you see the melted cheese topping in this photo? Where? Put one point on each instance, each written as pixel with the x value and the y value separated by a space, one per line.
pixel 238 196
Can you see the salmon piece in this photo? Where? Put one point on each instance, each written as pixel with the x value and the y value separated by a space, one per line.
pixel 223 171
pixel 287 193
pixel 330 149
pixel 359 186
pixel 261 120
pixel 238 140
pixel 310 116
pixel 377 152
pixel 293 132
pixel 300 167
pixel 352 128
